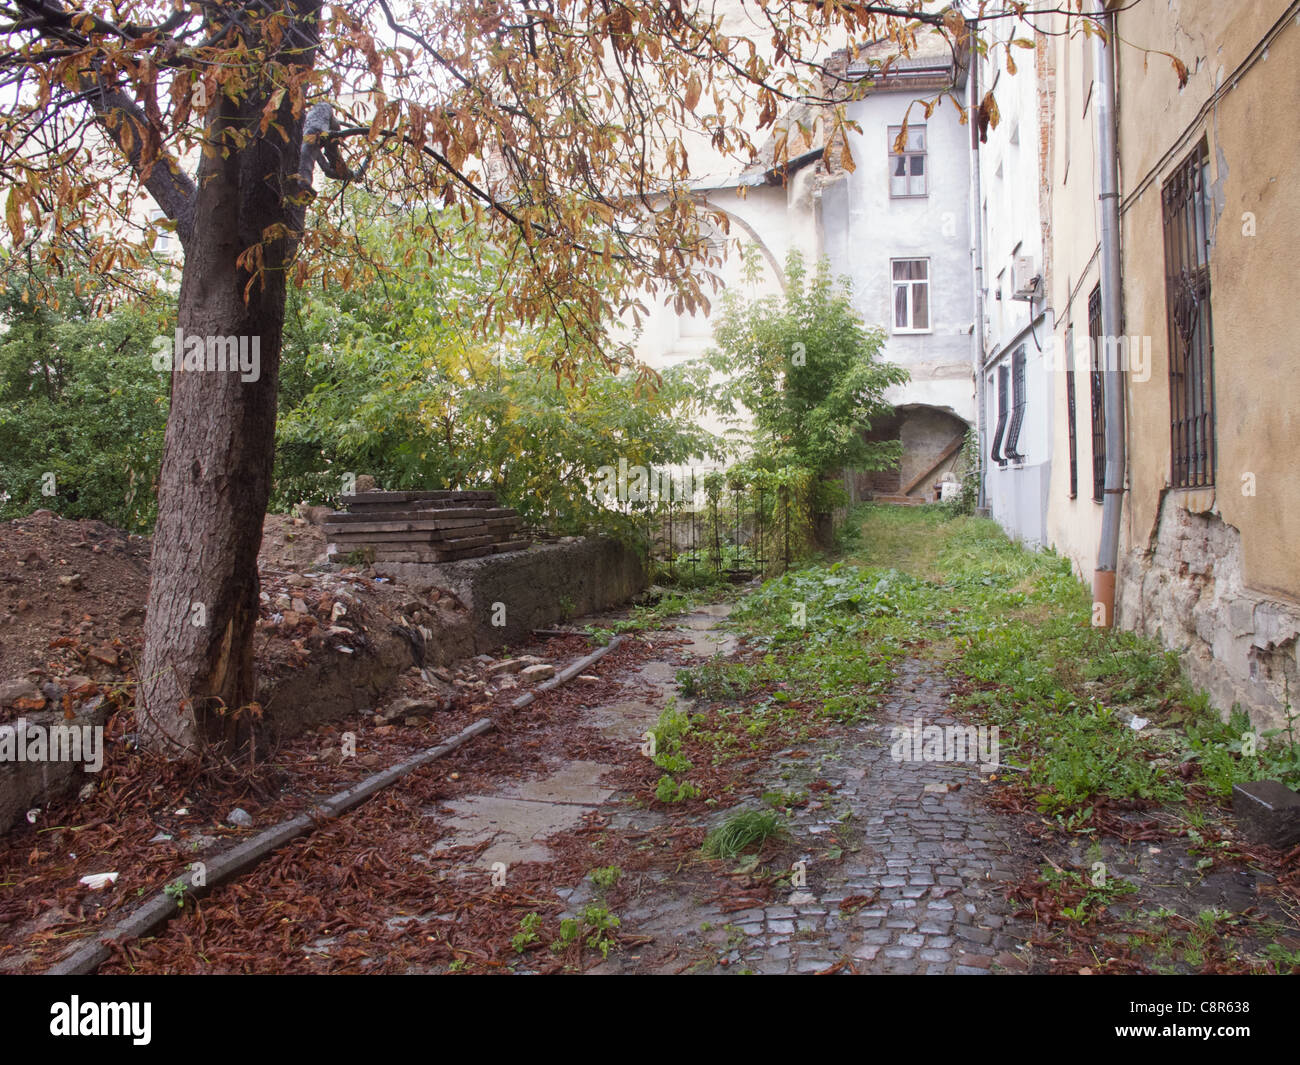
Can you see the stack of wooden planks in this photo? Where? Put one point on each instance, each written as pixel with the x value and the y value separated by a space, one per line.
pixel 423 526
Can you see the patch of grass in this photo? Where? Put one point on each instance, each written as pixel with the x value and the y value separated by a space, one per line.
pixel 785 800
pixel 1234 752
pixel 1016 626
pixel 717 680
pixel 1090 895
pixel 902 536
pixel 644 618
pixel 1283 961
pixel 740 832
pixel 669 732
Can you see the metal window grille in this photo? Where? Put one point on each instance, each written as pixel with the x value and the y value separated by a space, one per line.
pixel 1185 199
pixel 996 453
pixel 1098 397
pixel 1018 401
pixel 1070 413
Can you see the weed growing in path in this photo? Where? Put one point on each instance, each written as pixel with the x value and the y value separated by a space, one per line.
pixel 742 831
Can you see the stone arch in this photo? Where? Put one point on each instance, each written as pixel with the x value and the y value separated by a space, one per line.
pixel 932 438
pixel 736 220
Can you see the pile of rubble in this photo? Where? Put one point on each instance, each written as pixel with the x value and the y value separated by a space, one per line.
pixel 424 691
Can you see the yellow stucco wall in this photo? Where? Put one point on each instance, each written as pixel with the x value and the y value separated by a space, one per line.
pixel 1253 132
pixel 1073 525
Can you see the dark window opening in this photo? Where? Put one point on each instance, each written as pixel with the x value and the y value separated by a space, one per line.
pixel 1018 400
pixel 996 453
pixel 1098 397
pixel 1185 199
pixel 1070 412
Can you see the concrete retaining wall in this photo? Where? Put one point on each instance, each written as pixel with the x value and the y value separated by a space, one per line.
pixel 510 595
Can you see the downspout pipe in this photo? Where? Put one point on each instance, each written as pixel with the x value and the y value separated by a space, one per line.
pixel 977 254
pixel 1103 579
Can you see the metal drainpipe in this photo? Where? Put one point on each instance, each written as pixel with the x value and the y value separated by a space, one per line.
pixel 1103 579
pixel 977 252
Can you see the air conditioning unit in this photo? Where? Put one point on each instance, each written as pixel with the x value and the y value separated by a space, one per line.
pixel 1024 279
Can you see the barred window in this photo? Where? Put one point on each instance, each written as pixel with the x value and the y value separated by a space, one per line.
pixel 996 453
pixel 1098 397
pixel 1191 337
pixel 1018 400
pixel 1070 412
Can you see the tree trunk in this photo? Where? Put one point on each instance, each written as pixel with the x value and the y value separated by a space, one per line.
pixel 215 481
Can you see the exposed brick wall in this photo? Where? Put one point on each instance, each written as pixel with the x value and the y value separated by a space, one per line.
pixel 1186 590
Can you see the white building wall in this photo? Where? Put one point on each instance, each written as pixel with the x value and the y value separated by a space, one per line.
pixel 864 228
pixel 1018 492
pixel 1010 176
pixel 762 217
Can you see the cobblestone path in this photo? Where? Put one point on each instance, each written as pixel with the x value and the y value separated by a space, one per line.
pixel 917 887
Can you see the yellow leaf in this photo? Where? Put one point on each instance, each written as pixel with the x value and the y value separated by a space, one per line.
pixel 846 157
pixel 14 215
pixel 780 150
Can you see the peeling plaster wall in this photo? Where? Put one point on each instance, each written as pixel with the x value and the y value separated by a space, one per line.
pixel 1253 136
pixel 1214 572
pixel 1073 523
pixel 1187 591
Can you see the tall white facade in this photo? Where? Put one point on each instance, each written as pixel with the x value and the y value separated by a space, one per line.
pixel 1018 330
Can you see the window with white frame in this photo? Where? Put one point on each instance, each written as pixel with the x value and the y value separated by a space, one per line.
pixel 911 295
pixel 163 243
pixel 907 168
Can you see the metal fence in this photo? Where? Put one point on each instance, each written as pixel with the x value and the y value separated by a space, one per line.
pixel 735 534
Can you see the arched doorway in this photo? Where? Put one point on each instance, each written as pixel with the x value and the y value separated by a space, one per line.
pixel 932 440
